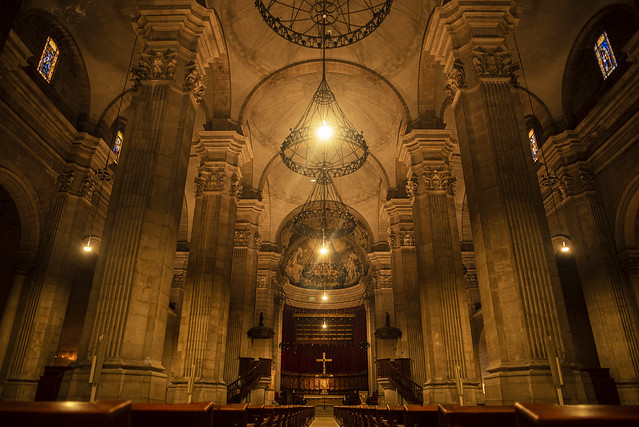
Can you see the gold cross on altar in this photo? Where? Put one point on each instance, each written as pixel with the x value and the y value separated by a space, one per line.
pixel 323 360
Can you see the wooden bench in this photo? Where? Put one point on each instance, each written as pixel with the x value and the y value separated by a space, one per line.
pixel 541 414
pixel 103 413
pixel 198 414
pixel 420 416
pixel 476 416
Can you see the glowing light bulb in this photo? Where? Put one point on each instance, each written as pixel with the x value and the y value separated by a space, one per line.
pixel 87 247
pixel 324 296
pixel 564 248
pixel 325 131
pixel 324 325
pixel 323 250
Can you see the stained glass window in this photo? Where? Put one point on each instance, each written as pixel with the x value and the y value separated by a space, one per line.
pixel 533 143
pixel 117 145
pixel 605 55
pixel 49 58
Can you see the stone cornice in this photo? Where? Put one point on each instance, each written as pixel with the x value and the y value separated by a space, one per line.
pixel 223 146
pixel 422 147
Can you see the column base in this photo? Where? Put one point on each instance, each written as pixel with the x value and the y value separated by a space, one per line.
pixel 446 392
pixel 122 383
pixel 534 384
pixel 20 389
pixel 389 395
pixel 203 391
pixel 628 392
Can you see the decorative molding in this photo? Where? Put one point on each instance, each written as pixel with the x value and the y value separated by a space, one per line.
pixel 587 179
pixel 65 180
pixel 391 239
pixel 456 79
pixel 496 63
pixel 154 65
pixel 257 240
pixel 261 281
pixel 178 281
pixel 193 83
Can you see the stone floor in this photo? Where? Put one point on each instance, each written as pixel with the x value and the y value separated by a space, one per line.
pixel 324 421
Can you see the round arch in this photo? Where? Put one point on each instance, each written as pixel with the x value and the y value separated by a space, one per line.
pixel 24 198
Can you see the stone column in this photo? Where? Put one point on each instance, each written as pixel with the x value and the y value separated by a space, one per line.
pixel 630 263
pixel 382 302
pixel 522 303
pixel 446 325
pixel 207 290
pixel 43 303
pixel 131 287
pixel 611 306
pixel 401 239
pixel 242 308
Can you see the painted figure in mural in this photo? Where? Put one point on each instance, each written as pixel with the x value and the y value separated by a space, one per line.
pixel 294 265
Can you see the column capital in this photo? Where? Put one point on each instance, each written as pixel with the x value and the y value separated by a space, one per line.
pixel 218 179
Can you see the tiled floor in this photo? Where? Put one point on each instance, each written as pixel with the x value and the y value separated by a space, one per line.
pixel 324 421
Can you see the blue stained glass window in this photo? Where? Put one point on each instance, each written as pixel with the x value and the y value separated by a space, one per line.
pixel 117 145
pixel 605 55
pixel 533 143
pixel 49 58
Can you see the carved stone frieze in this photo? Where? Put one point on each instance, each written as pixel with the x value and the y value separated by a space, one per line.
pixel 496 63
pixel 193 82
pixel 392 242
pixel 154 65
pixel 257 240
pixel 587 179
pixel 65 180
pixel 262 280
pixel 456 79
pixel 407 238
pixel 236 186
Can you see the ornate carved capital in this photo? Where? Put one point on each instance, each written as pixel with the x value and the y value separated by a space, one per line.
pixel 154 65
pixel 412 187
pixel 456 79
pixel 439 179
pixel 65 180
pixel 587 179
pixel 496 63
pixel 407 238
pixel 242 238
pixel 193 83
pixel 209 181
pixel 87 188
pixel 236 186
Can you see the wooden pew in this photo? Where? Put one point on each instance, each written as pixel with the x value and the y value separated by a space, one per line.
pixel 542 414
pixel 197 414
pixel 103 413
pixel 420 416
pixel 232 415
pixel 476 416
pixel 395 415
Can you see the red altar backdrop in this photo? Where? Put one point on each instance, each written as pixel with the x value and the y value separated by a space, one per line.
pixel 344 348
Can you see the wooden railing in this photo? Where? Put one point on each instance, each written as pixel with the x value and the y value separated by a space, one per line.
pixel 406 387
pixel 240 388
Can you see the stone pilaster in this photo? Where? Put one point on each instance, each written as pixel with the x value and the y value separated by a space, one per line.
pixel 378 304
pixel 408 315
pixel 207 290
pixel 244 283
pixel 522 303
pixel 445 320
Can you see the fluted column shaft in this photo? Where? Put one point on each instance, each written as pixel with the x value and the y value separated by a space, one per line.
pixel 446 325
pixel 207 290
pixel 243 286
pixel 522 303
pixel 401 239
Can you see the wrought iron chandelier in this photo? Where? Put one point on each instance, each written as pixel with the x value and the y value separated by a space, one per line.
pixel 345 21
pixel 324 215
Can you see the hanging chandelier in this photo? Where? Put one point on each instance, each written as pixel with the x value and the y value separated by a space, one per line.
pixel 324 215
pixel 347 21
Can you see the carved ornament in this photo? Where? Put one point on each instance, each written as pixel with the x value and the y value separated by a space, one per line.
pixel 436 179
pixel 496 63
pixel 456 79
pixel 154 65
pixel 193 82
pixel 209 180
pixel 65 180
